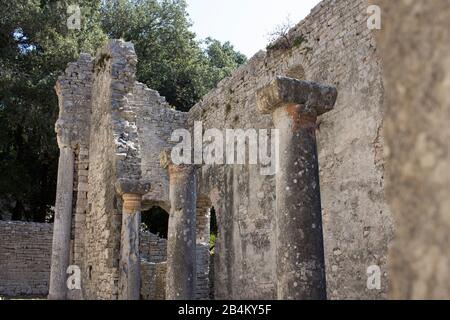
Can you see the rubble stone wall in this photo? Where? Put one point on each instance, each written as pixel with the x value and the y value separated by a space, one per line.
pixel 25 253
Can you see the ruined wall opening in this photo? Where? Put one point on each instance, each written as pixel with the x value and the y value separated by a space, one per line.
pixel 155 221
pixel 213 229
pixel 153 252
pixel 203 258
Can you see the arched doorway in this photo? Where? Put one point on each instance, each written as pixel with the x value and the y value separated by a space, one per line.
pixel 155 221
pixel 153 252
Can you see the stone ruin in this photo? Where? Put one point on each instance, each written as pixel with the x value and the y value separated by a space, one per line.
pixel 308 232
pixel 112 131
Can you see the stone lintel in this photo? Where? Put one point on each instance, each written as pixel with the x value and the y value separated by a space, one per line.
pixel 284 91
pixel 130 186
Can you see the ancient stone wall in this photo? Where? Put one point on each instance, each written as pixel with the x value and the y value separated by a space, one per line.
pixel 153 280
pixel 154 256
pixel 332 46
pixel 25 251
pixel 153 248
pixel 127 129
pixel 102 239
pixel 156 121
pixel 74 93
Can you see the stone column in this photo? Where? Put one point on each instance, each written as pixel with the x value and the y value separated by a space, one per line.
pixel 295 105
pixel 130 262
pixel 63 216
pixel 181 242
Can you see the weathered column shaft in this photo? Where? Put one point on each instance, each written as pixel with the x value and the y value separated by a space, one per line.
pixel 295 105
pixel 62 225
pixel 130 264
pixel 300 253
pixel 181 243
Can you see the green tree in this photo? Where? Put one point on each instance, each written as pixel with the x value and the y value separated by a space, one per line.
pixel 221 61
pixel 35 46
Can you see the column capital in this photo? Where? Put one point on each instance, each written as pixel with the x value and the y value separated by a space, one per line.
pixel 283 91
pixel 131 203
pixel 131 186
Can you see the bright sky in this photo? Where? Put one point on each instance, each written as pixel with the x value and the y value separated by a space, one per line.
pixel 245 23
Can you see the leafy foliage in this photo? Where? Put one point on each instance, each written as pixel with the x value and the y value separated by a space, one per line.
pixel 35 46
pixel 170 59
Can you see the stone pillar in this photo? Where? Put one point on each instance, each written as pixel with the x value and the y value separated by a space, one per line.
pixel 295 105
pixel 130 261
pixel 63 216
pixel 181 242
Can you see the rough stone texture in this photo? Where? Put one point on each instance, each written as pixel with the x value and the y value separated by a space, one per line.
pixel 283 91
pixel 25 251
pixel 74 92
pixel 153 248
pixel 202 251
pixel 120 132
pixel 108 154
pixel 156 121
pixel 153 277
pixel 416 61
pixel 62 225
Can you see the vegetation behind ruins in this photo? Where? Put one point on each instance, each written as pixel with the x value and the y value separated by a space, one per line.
pixel 35 47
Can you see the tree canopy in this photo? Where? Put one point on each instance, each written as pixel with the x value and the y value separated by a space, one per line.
pixel 35 47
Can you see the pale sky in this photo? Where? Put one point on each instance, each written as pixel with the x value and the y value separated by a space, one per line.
pixel 245 23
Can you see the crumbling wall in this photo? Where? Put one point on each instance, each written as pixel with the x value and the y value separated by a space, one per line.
pixel 113 154
pixel 332 46
pixel 154 256
pixel 152 247
pixel 153 280
pixel 25 252
pixel 415 47
pixel 130 125
pixel 74 93
pixel 25 255
pixel 156 120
